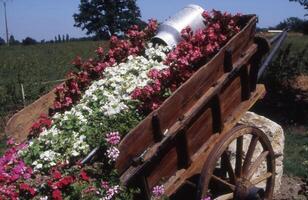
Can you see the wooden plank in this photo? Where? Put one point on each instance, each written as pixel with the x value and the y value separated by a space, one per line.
pixel 199 158
pixel 157 133
pixel 19 125
pixel 183 98
pixel 157 150
pixel 182 150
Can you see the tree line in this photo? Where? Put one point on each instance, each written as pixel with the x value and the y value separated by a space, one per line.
pixel 31 41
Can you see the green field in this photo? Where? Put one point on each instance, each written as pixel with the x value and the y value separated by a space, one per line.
pixel 32 65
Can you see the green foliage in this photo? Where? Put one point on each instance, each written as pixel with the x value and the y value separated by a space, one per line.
pixel 291 61
pixel 12 41
pixel 29 41
pixel 105 18
pixel 294 24
pixel 296 153
pixel 2 41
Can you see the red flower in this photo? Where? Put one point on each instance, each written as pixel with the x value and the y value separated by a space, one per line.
pixel 64 182
pixel 57 195
pixel 27 188
pixel 84 176
pixel 56 174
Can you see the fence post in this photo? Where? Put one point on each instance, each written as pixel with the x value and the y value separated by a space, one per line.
pixel 23 94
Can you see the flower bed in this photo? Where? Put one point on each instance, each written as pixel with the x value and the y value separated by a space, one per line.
pixel 98 106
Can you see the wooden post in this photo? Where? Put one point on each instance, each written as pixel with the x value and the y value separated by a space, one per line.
pixel 216 113
pixel 228 62
pixel 23 94
pixel 182 150
pixel 6 26
pixel 245 83
pixel 157 133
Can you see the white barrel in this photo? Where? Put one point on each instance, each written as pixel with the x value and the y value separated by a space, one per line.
pixel 169 32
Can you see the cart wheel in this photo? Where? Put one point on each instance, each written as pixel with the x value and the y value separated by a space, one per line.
pixel 232 170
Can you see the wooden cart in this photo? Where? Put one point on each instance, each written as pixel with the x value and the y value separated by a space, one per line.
pixel 185 144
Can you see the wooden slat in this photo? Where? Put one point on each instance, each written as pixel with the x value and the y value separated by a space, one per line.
pixel 198 159
pixel 245 84
pixel 157 132
pixel 182 99
pixel 228 61
pixel 18 127
pixel 189 119
pixel 183 155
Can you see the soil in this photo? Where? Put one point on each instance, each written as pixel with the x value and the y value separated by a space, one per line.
pixel 293 188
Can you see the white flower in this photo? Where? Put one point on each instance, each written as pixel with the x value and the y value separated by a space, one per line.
pixel 44 198
pixel 111 192
pixel 113 153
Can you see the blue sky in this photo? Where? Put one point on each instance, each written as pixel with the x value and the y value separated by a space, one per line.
pixel 44 19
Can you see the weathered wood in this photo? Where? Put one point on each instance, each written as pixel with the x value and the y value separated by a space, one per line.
pixel 228 61
pixel 183 98
pixel 157 133
pixel 182 150
pixel 190 117
pixel 253 168
pixel 245 84
pixel 19 125
pixel 239 156
pixel 243 185
pixel 217 114
pixel 198 158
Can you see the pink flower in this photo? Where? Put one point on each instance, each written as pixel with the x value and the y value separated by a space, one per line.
pixel 113 138
pixel 158 191
pixel 105 185
pixel 10 142
pixel 100 51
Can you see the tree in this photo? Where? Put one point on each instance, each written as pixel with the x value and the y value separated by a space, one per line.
pixel 104 18
pixel 29 41
pixel 303 3
pixel 2 41
pixel 12 40
pixel 67 39
pixel 292 23
pixel 59 38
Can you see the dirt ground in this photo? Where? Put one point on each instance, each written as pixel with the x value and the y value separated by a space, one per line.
pixel 293 188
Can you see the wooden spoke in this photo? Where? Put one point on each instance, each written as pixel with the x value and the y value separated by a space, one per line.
pixel 231 186
pixel 226 163
pixel 234 178
pixel 225 197
pixel 261 178
pixel 239 156
pixel 251 149
pixel 256 164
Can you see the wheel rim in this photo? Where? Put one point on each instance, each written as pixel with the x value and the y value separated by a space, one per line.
pixel 236 178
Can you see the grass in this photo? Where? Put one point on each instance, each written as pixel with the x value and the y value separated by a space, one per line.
pixel 32 65
pixel 298 42
pixel 296 152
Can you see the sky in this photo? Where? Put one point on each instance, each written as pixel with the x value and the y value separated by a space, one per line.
pixel 45 19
